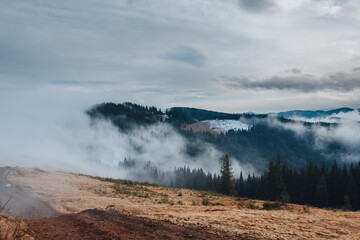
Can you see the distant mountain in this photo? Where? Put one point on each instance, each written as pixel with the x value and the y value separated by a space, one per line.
pixel 184 115
pixel 313 114
pixel 248 137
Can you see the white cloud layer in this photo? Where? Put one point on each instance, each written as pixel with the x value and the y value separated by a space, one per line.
pixel 346 133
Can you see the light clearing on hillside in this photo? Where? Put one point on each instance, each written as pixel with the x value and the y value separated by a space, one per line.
pixel 223 126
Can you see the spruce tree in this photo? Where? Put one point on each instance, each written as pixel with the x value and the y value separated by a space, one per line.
pixel 352 193
pixel 240 186
pixel 334 186
pixel 226 177
pixel 275 188
pixel 322 195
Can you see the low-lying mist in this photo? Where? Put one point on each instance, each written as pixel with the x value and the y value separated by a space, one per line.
pixel 66 139
pixel 343 131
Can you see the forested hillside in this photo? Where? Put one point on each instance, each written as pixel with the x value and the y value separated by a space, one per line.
pixel 290 168
pixel 126 115
pixel 257 146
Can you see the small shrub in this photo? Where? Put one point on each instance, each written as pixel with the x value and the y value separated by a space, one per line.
pixel 165 200
pixel 306 209
pixel 205 202
pixel 247 204
pixel 216 204
pixel 272 205
pixel 179 194
pixel 251 205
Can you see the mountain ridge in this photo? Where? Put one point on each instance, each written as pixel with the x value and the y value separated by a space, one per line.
pixel 314 113
pixel 262 138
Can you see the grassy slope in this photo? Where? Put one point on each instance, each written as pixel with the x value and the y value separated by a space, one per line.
pixel 70 193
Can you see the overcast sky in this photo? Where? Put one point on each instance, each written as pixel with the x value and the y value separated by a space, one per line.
pixel 235 55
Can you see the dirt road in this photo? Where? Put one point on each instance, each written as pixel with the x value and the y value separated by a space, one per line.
pixel 21 202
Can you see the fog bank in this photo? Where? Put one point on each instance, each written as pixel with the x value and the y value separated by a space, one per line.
pixel 60 136
pixel 346 133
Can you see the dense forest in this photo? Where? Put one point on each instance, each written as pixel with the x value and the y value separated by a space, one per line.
pixel 126 115
pixel 318 185
pixel 257 146
pixel 304 174
pixel 262 143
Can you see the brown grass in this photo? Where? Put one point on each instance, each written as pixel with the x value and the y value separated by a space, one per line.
pixel 70 193
pixel 12 228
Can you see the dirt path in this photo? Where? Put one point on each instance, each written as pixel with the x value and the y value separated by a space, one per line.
pixel 21 203
pixel 99 224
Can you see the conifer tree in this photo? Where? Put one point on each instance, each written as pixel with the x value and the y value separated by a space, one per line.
pixel 352 193
pixel 322 195
pixel 334 180
pixel 240 186
pixel 226 177
pixel 275 187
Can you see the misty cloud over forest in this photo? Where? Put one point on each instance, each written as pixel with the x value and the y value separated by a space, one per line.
pixel 346 133
pixel 63 138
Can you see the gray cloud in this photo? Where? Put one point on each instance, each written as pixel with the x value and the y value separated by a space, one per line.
pixel 187 55
pixel 340 81
pixel 129 50
pixel 294 71
pixel 256 5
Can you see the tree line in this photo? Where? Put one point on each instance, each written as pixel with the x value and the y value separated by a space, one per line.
pixel 318 185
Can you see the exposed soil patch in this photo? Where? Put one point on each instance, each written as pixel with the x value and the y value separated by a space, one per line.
pixel 99 224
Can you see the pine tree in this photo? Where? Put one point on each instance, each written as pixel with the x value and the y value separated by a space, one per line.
pixel 322 195
pixel 334 180
pixel 344 178
pixel 209 182
pixel 275 187
pixel 310 181
pixel 226 177
pixel 240 186
pixel 352 193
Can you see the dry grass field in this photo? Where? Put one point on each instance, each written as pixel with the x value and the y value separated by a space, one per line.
pixel 186 210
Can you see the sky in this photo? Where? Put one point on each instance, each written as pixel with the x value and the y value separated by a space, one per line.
pixel 59 58
pixel 234 56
